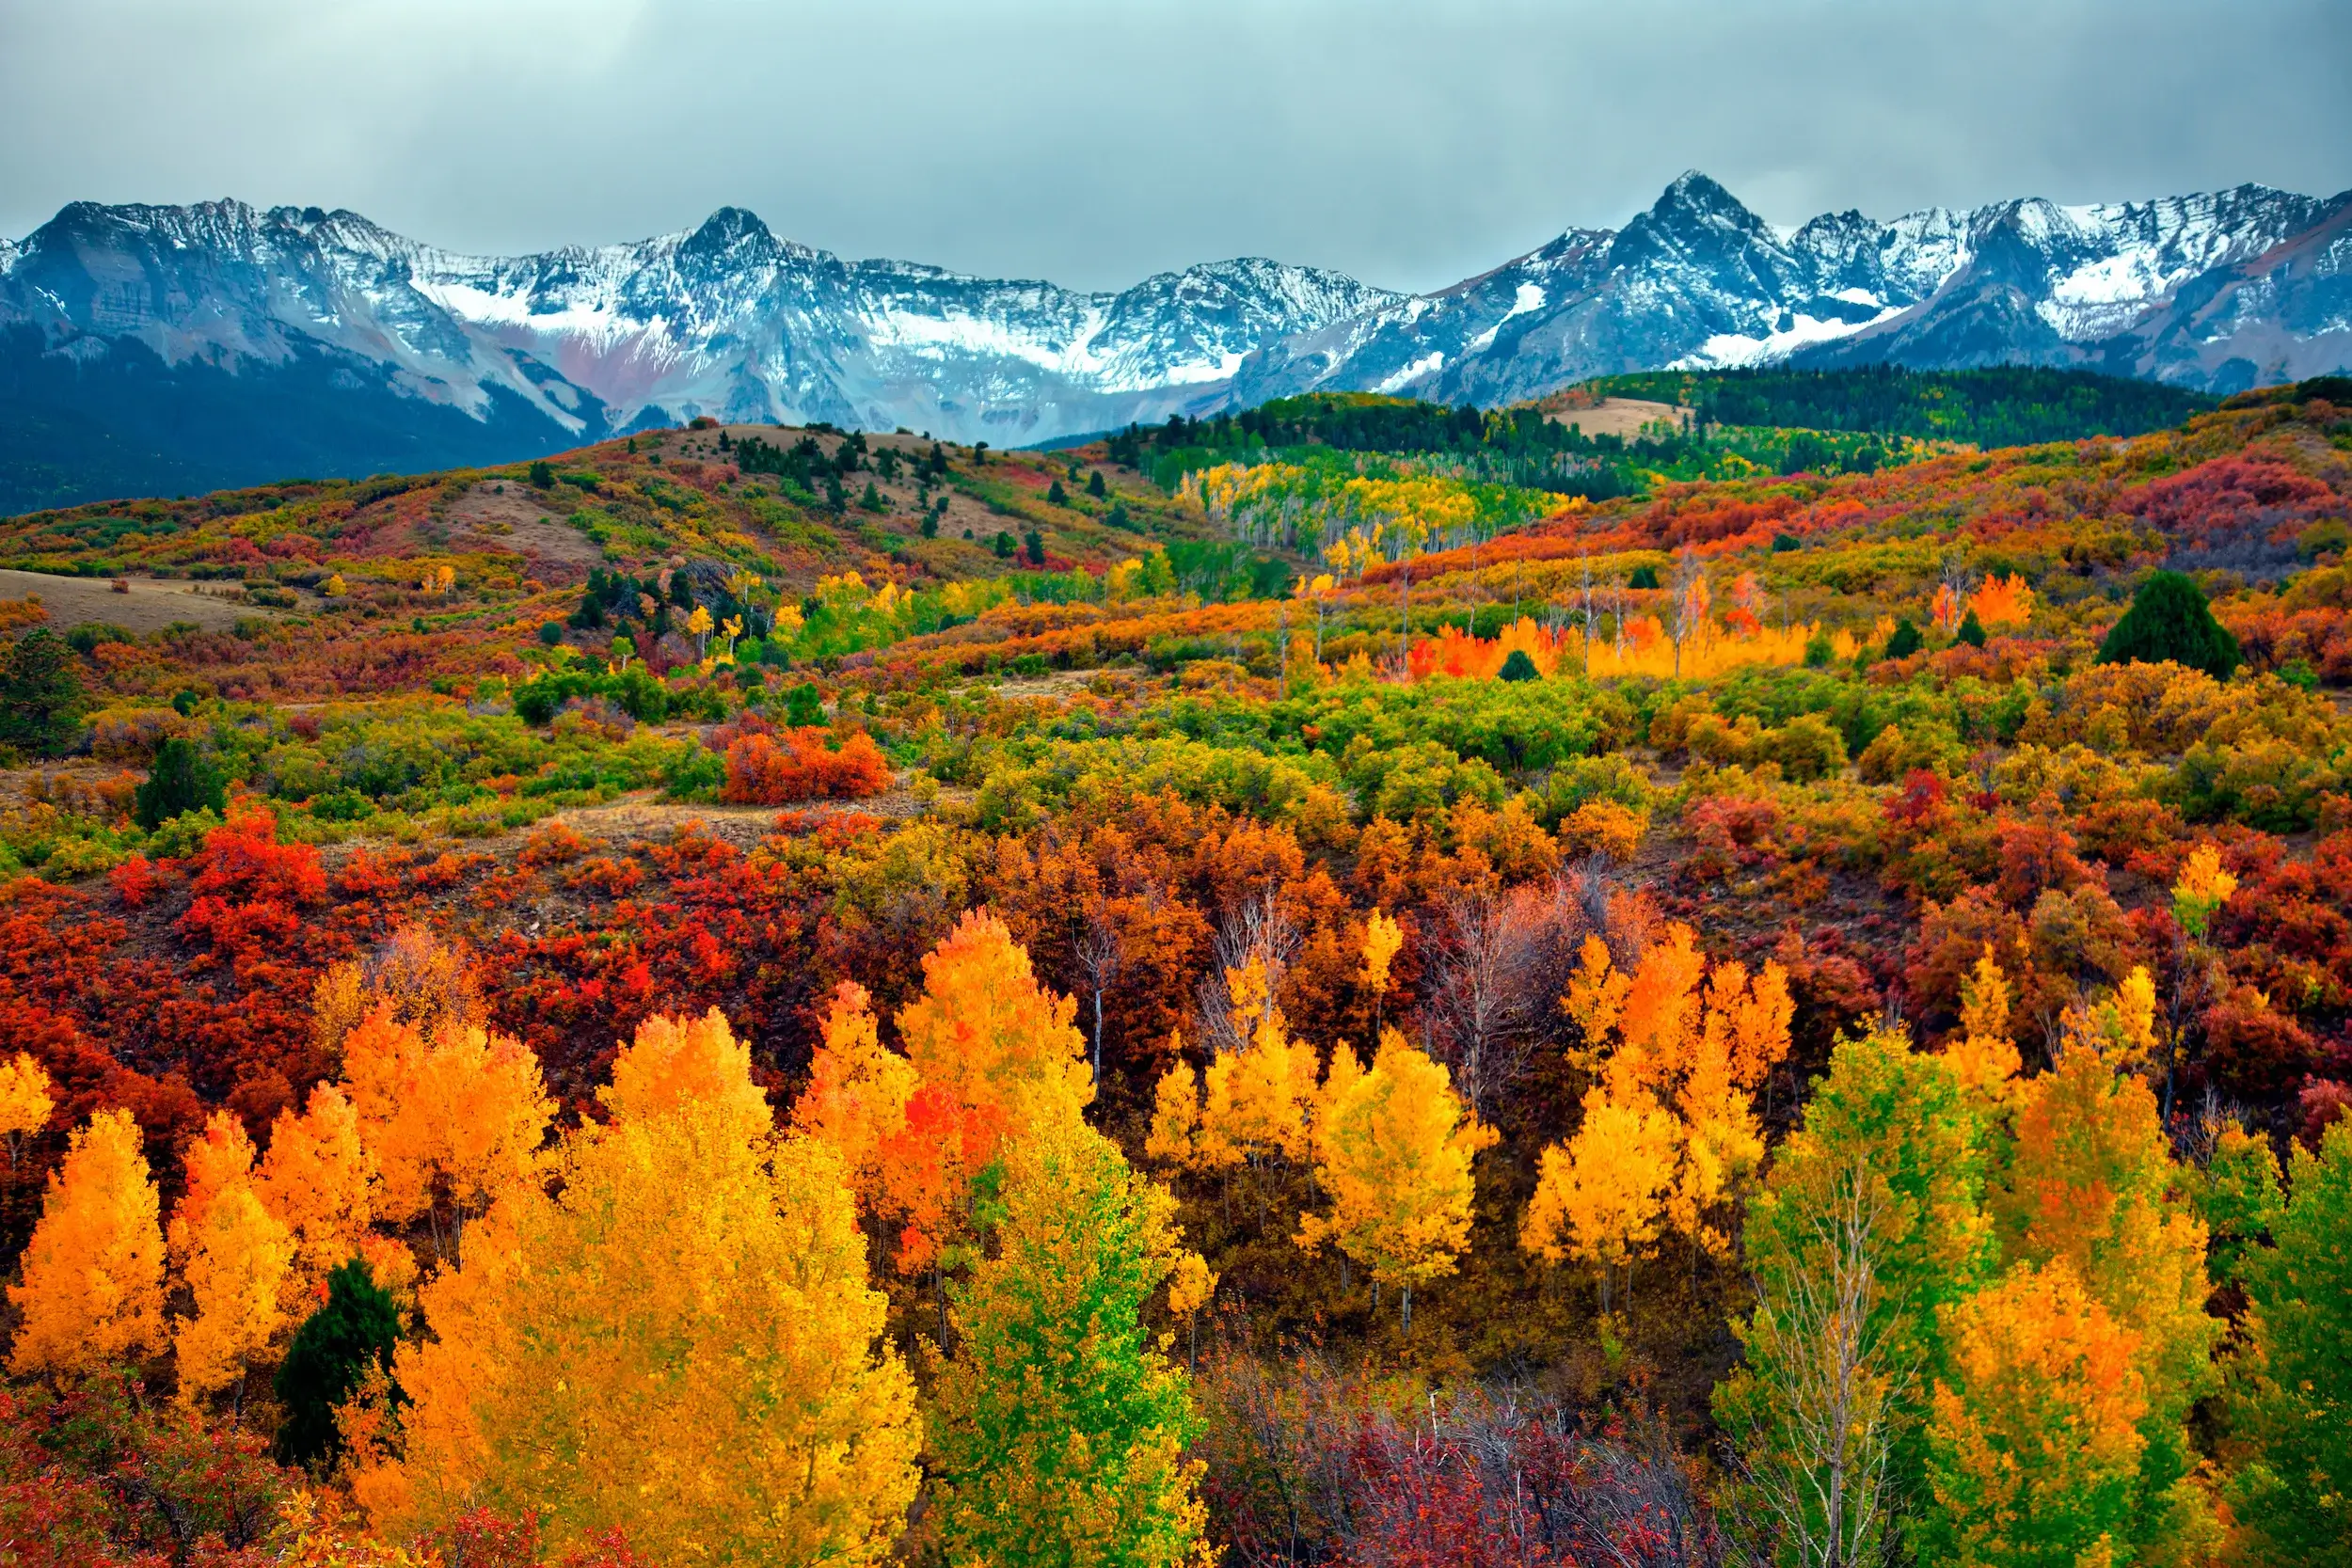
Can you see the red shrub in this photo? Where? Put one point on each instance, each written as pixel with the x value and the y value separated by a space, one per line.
pixel 761 772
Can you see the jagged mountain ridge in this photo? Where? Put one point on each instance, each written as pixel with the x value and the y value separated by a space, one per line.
pixel 2217 292
pixel 154 348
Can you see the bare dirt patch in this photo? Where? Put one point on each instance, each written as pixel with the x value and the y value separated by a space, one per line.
pixel 1620 416
pixel 487 518
pixel 151 604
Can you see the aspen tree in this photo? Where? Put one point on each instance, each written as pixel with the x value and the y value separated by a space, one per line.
pixel 92 1290
pixel 1062 1423
pixel 681 1343
pixel 450 1123
pixel 234 1256
pixel 317 1181
pixel 1395 1154
pixel 26 1104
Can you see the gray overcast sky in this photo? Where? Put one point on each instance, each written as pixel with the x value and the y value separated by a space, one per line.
pixel 1411 145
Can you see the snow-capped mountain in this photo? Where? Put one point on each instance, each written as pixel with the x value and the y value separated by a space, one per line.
pixel 2221 292
pixel 160 348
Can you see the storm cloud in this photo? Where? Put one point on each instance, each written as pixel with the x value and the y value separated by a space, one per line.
pixel 1410 145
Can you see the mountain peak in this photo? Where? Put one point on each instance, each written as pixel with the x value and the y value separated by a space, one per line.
pixel 725 229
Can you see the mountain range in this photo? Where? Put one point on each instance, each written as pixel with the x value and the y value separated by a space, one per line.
pixel 159 349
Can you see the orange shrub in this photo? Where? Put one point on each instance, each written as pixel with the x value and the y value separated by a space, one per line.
pixel 795 765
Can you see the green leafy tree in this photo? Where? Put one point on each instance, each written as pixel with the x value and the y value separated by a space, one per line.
pixel 1872 1225
pixel 333 1353
pixel 2292 1404
pixel 180 781
pixel 1061 1427
pixel 2171 619
pixel 41 697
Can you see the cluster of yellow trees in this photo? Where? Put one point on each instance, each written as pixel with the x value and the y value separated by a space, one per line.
pixel 1391 1145
pixel 1670 1135
pixel 661 1321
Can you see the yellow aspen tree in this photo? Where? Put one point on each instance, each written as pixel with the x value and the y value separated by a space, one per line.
pixel 1383 938
pixel 1600 1197
pixel 858 1090
pixel 674 1062
pixel 681 1343
pixel 450 1123
pixel 316 1179
pixel 1397 1152
pixel 2201 890
pixel 1259 1098
pixel 92 1289
pixel 2121 1026
pixel 1983 1055
pixel 26 1103
pixel 421 979
pixel 234 1257
pixel 1175 1112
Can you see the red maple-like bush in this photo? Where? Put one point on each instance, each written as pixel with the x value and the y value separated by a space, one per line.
pixel 796 765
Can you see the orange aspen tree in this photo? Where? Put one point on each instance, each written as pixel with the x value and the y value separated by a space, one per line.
pixel 234 1257
pixel 92 1290
pixel 1670 1136
pixel 686 1321
pixel 994 1053
pixel 316 1179
pixel 674 1062
pixel 858 1090
pixel 2034 1445
pixel 1397 1150
pixel 450 1123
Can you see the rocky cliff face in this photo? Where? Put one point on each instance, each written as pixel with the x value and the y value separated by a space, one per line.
pixel 168 347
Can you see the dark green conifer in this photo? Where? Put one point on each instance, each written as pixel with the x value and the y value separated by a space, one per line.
pixel 2171 619
pixel 179 783
pixel 332 1353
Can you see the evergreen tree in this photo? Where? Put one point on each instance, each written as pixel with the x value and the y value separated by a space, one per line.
pixel 356 1330
pixel 2170 619
pixel 41 697
pixel 872 500
pixel 1095 486
pixel 1519 667
pixel 542 477
pixel 1644 577
pixel 1972 630
pixel 1056 495
pixel 1036 543
pixel 180 781
pixel 805 706
pixel 1002 545
pixel 1906 639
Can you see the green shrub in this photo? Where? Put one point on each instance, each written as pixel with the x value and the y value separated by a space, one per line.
pixel 42 702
